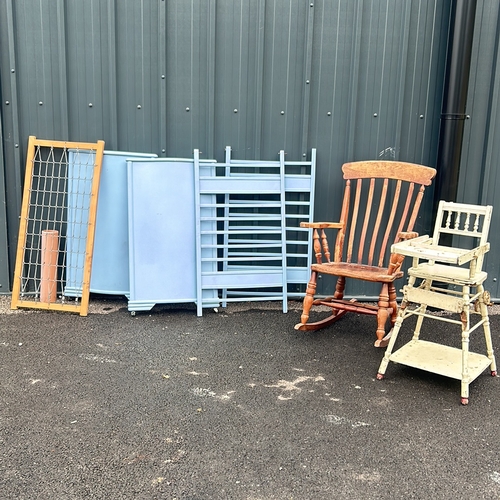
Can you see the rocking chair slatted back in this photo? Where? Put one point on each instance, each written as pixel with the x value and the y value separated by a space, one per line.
pixel 391 185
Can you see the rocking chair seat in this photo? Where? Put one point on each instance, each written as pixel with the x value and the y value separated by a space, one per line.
pixel 358 271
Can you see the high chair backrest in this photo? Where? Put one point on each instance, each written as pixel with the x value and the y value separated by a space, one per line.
pixel 471 223
pixel 381 199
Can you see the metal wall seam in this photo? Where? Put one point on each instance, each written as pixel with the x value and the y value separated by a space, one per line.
pixel 381 112
pixel 63 75
pixel 14 171
pixel 162 66
pixel 425 114
pixel 113 78
pixel 259 79
pixel 210 120
pixel 307 79
pixel 403 64
pixel 353 90
pixel 4 255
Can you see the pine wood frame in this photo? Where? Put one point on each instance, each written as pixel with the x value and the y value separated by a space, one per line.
pixel 81 306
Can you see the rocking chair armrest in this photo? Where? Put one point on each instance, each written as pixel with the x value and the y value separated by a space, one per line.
pixel 320 240
pixel 407 235
pixel 322 225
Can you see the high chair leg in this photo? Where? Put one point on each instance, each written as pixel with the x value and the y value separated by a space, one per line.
pixel 392 341
pixel 487 331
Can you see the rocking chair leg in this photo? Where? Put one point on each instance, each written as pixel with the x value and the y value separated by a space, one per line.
pixel 393 304
pixel 382 316
pixel 309 302
pixel 339 288
pixel 394 314
pixel 309 298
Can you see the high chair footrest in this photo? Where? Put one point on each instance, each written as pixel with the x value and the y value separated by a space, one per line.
pixel 440 359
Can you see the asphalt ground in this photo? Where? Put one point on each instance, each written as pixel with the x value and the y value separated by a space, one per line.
pixel 233 405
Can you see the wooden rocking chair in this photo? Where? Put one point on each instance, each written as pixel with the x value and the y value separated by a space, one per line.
pixel 385 205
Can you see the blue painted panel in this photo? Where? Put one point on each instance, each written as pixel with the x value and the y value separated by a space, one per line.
pixel 79 187
pixel 162 233
pixel 300 177
pixel 110 261
pixel 110 257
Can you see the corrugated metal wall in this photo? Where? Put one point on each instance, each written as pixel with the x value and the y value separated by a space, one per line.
pixel 479 180
pixel 356 79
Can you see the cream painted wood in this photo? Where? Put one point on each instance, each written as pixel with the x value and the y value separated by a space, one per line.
pixel 448 279
pixel 440 359
pixel 447 274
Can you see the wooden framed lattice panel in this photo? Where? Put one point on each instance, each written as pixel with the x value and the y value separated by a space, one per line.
pixel 56 230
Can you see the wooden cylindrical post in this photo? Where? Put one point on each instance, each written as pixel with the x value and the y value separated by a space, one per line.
pixel 50 251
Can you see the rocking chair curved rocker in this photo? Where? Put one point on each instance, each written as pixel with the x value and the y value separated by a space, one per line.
pixel 385 206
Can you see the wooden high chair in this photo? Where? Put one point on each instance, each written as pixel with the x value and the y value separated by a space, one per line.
pixel 447 278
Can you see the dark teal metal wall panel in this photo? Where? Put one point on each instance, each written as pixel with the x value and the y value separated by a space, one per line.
pixel 138 75
pixel 4 255
pixel 356 79
pixel 40 50
pixel 13 142
pixel 283 77
pixel 190 74
pixel 479 180
pixel 90 72
pixel 239 43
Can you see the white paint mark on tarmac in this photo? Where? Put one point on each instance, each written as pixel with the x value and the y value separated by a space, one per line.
pixel 203 393
pixel 495 476
pixel 337 420
pixel 207 393
pixel 373 477
pixel 226 396
pixel 291 386
pixel 98 359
